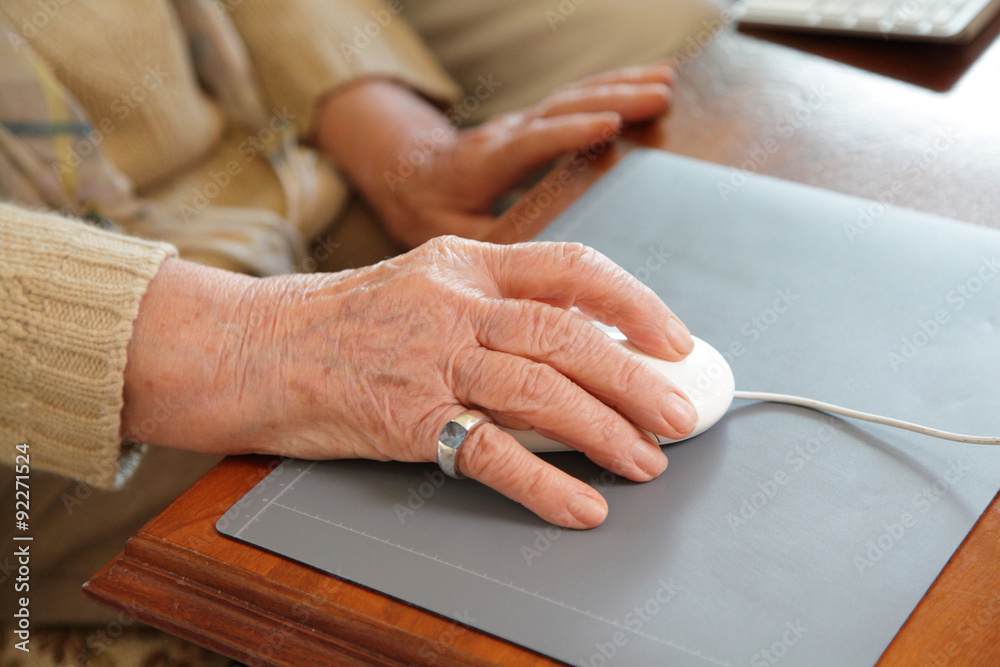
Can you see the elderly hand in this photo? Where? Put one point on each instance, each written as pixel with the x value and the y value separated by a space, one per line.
pixel 374 362
pixel 425 177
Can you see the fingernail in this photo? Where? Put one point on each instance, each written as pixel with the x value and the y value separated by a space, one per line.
pixel 650 458
pixel 678 335
pixel 679 412
pixel 588 511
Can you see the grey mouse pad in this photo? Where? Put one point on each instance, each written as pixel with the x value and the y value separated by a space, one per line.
pixel 781 534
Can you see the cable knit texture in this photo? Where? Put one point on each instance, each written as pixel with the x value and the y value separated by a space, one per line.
pixel 69 294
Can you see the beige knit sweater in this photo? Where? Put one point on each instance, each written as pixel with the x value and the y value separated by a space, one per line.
pixel 69 292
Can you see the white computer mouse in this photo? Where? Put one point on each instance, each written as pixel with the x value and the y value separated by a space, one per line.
pixel 704 376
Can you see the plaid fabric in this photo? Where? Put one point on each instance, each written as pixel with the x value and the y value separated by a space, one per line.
pixel 41 165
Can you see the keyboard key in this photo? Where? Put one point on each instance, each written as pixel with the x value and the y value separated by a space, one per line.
pixel 837 9
pixel 911 12
pixel 942 15
pixel 782 6
pixel 873 9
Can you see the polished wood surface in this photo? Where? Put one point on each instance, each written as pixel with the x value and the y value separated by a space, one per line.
pixel 744 102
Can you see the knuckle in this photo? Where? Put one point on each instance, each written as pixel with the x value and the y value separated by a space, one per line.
pixel 632 376
pixel 609 427
pixel 585 261
pixel 439 243
pixel 477 452
pixel 554 331
pixel 532 126
pixel 536 387
pixel 578 255
pixel 610 89
pixel 613 438
pixel 481 453
pixel 519 475
pixel 516 475
pixel 447 247
pixel 524 135
pixel 535 477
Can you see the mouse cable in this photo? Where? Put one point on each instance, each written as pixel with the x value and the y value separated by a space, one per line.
pixel 864 416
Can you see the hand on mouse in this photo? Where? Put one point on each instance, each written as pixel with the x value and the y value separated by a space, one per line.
pixel 426 177
pixel 374 362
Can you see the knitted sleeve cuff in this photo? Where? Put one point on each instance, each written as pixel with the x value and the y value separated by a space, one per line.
pixel 68 296
pixel 308 48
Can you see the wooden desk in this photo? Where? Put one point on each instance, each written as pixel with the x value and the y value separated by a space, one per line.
pixel 742 102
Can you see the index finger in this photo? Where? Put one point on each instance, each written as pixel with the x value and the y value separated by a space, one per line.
pixel 572 274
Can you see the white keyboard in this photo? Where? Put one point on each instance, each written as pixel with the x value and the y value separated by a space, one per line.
pixel 927 20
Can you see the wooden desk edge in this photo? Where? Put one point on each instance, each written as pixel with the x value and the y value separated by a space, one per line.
pixel 174 575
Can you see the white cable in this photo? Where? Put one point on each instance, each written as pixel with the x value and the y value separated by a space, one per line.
pixel 864 416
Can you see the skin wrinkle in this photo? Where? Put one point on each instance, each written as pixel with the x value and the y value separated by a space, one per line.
pixel 558 342
pixel 533 401
pixel 282 346
pixel 534 478
pixel 610 425
pixel 538 385
pixel 228 361
pixel 399 348
pixel 383 376
pixel 613 428
pixel 631 377
pixel 581 261
pixel 280 343
pixel 474 368
pixel 447 367
pixel 243 350
pixel 563 334
pixel 367 381
pixel 629 382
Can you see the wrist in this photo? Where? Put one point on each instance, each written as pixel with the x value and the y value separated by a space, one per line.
pixel 186 340
pixel 379 132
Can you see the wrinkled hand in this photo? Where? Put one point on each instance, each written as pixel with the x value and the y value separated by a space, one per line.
pixel 374 362
pixel 427 178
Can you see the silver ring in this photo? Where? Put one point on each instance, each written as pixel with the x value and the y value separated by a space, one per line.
pixel 451 438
